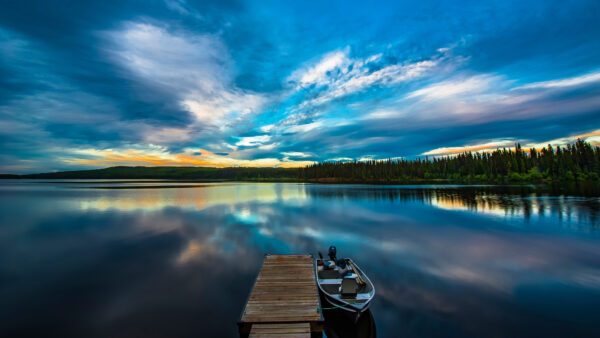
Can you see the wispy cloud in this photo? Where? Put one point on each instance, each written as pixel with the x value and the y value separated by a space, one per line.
pixel 593 137
pixel 330 66
pixel 456 87
pixel 471 99
pixel 296 154
pixel 253 140
pixel 160 156
pixel 182 7
pixel 567 82
pixel 304 128
pixel 337 75
pixel 485 147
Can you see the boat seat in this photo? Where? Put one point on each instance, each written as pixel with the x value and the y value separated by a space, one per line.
pixel 349 288
pixel 329 274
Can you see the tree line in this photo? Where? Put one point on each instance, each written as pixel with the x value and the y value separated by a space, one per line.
pixel 578 161
pixel 175 173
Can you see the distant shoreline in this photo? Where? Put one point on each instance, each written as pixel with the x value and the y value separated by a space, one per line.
pixel 578 163
pixel 54 177
pixel 171 173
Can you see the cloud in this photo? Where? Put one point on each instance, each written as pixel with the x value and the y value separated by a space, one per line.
pixel 296 154
pixel 331 65
pixel 453 88
pixel 253 140
pixel 162 135
pixel 593 137
pixel 195 68
pixel 386 76
pixel 485 147
pixel 337 75
pixel 474 99
pixel 160 156
pixel 268 147
pixel 267 128
pixel 567 82
pixel 304 128
pixel 181 7
pixel 340 159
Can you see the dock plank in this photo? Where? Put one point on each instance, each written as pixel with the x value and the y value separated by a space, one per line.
pixel 296 330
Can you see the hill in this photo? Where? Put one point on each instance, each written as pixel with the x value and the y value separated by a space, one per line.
pixel 178 173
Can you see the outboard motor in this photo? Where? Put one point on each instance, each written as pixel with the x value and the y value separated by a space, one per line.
pixel 332 253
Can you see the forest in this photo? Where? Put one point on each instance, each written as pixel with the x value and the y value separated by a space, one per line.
pixel 577 162
pixel 176 173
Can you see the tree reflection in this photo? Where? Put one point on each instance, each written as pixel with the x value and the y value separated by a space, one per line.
pixel 579 203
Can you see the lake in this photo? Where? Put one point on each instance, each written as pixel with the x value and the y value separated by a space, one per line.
pixel 162 259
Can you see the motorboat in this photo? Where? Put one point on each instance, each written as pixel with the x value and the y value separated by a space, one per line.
pixel 343 285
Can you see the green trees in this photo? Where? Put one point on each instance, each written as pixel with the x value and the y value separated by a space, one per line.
pixel 579 161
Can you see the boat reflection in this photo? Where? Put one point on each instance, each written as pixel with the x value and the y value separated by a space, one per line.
pixel 338 325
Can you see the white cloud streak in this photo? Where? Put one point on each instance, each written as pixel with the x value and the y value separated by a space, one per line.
pixel 453 88
pixel 330 65
pixel 567 82
pixel 253 140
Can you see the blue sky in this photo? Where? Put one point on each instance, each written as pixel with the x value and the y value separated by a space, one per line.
pixel 88 84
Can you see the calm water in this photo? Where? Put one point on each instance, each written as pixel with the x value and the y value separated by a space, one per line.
pixel 80 260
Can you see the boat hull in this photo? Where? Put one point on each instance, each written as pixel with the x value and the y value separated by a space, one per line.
pixel 331 303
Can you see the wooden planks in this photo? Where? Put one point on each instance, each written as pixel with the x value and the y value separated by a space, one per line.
pixel 288 330
pixel 284 301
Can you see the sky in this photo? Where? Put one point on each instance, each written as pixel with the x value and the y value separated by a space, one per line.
pixel 92 84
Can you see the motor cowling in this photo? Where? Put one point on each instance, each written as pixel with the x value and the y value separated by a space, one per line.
pixel 332 253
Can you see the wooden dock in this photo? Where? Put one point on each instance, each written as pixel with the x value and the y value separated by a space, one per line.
pixel 284 301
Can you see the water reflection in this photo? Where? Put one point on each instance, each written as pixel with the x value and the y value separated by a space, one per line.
pixel 197 198
pixel 446 260
pixel 504 201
